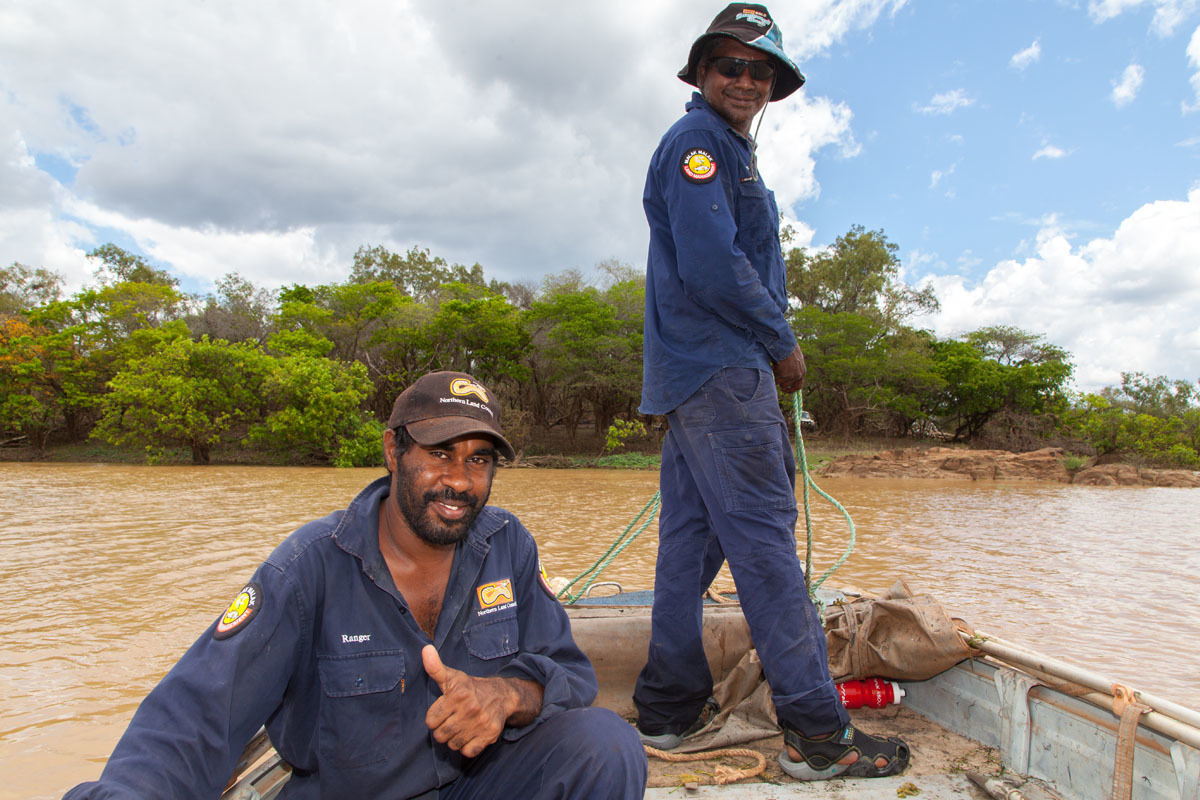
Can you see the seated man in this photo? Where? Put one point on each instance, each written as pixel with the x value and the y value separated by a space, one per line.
pixel 406 646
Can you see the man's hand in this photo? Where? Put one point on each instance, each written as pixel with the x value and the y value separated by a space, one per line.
pixel 789 373
pixel 472 712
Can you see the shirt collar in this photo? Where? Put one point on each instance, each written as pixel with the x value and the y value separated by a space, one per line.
pixel 698 103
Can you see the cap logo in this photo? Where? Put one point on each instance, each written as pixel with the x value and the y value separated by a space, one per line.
pixel 756 17
pixel 461 387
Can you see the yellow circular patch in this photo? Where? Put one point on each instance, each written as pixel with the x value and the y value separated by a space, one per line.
pixel 698 166
pixel 240 611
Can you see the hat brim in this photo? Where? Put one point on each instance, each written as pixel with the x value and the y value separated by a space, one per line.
pixel 429 432
pixel 788 77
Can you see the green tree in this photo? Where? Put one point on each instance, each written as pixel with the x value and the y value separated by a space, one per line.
pixel 477 331
pixel 1031 379
pixel 588 352
pixel 186 393
pixel 28 403
pixel 861 377
pixel 415 274
pixel 859 274
pixel 1158 396
pixel 237 312
pixel 120 266
pixel 85 340
pixel 1154 419
pixel 314 412
pixel 23 288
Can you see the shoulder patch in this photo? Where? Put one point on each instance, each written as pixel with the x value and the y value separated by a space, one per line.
pixel 544 580
pixel 698 165
pixel 240 611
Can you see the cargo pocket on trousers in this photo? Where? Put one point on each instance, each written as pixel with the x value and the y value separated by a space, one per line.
pixel 360 709
pixel 750 467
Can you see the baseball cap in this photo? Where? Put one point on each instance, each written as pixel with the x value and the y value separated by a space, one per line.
pixel 444 405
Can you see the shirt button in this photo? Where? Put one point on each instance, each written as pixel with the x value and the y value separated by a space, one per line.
pixel 714 206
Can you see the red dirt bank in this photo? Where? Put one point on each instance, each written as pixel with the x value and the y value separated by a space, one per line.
pixel 1047 464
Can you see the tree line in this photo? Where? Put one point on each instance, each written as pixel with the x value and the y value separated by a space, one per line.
pixel 307 374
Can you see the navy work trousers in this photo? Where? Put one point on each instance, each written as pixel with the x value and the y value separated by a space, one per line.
pixel 728 492
pixel 584 753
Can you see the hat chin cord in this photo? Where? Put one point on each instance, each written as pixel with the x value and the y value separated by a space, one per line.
pixel 757 128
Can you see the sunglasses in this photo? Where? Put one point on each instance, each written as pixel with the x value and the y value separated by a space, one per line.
pixel 734 67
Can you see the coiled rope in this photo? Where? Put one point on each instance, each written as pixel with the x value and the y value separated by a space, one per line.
pixel 592 573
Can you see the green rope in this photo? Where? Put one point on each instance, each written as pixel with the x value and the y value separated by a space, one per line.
pixel 802 460
pixel 626 538
pixel 614 550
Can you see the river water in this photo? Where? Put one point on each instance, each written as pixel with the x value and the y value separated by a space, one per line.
pixel 108 573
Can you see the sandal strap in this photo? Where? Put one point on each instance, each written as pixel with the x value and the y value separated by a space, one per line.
pixel 823 752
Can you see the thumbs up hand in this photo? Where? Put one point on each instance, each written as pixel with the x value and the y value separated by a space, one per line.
pixel 472 712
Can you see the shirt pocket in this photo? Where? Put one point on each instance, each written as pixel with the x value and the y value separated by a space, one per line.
pixel 493 638
pixel 751 469
pixel 360 719
pixel 757 220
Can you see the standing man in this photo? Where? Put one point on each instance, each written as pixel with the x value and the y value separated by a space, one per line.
pixel 403 647
pixel 716 334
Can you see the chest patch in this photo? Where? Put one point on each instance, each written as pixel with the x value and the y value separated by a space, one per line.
pixel 495 593
pixel 698 165
pixel 240 611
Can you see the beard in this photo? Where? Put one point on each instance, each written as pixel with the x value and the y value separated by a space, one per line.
pixel 416 508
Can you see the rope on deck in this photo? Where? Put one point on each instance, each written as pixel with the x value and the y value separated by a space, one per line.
pixel 626 538
pixel 722 774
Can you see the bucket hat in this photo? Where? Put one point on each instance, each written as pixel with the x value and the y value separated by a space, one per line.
pixel 442 406
pixel 752 25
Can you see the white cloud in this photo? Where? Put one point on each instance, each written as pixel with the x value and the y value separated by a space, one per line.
pixel 1023 58
pixel 792 131
pixel 1168 14
pixel 220 136
pixel 1193 54
pixel 812 27
pixel 1050 151
pixel 936 176
pixel 1127 302
pixel 1126 89
pixel 946 102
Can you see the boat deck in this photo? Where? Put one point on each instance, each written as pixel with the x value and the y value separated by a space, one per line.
pixel 938 768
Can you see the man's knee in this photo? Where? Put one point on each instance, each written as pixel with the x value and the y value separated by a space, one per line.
pixel 604 747
pixel 597 732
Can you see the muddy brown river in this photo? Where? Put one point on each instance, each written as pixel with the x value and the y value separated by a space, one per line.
pixel 108 573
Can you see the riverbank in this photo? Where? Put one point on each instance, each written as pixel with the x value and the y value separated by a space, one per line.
pixel 827 457
pixel 1048 464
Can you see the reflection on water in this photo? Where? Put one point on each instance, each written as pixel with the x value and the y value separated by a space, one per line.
pixel 107 573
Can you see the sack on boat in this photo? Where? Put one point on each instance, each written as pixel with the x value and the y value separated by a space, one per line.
pixel 900 636
pixel 747 713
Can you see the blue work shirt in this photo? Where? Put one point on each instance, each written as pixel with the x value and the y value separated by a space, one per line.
pixel 715 291
pixel 330 661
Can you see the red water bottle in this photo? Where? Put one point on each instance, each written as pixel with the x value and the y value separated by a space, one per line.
pixel 872 693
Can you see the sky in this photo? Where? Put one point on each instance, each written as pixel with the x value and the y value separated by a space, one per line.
pixel 1037 162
